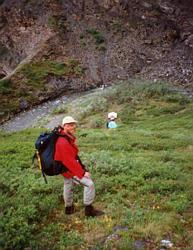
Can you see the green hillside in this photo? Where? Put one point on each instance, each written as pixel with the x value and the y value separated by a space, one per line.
pixel 142 172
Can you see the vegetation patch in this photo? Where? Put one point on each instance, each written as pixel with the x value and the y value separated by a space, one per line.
pixel 5 86
pixel 97 35
pixel 98 38
pixel 142 172
pixel 57 23
pixel 37 72
pixel 30 83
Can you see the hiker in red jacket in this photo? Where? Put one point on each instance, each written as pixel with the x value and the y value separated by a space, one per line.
pixel 66 151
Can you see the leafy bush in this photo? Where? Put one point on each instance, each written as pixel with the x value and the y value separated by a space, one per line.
pixel 152 90
pixel 127 115
pixel 57 23
pixel 88 107
pixel 60 109
pixel 37 72
pixel 5 86
pixel 97 35
pixel 97 123
pixel 70 239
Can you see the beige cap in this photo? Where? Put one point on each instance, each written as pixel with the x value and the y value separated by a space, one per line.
pixel 68 119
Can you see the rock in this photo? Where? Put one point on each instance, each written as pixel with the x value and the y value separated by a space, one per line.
pixel 148 41
pixel 147 5
pixel 191 21
pixel 57 102
pixel 115 235
pixel 166 243
pixel 119 228
pixel 142 56
pixel 22 29
pixel 112 237
pixel 41 97
pixel 166 9
pixel 139 244
pixel 149 61
pixel 184 35
pixel 189 41
pixel 23 104
pixel 3 21
pixel 177 11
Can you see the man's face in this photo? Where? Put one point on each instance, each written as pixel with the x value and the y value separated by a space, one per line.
pixel 70 128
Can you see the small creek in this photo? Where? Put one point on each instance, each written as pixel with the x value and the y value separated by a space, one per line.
pixel 35 116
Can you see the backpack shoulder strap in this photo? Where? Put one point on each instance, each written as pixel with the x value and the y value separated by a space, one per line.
pixel 57 130
pixel 64 136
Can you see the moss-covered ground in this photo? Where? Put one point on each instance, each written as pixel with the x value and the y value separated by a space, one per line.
pixel 30 83
pixel 142 172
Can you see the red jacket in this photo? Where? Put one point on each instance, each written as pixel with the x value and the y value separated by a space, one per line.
pixel 66 151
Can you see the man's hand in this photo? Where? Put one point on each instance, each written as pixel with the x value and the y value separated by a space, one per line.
pixel 87 175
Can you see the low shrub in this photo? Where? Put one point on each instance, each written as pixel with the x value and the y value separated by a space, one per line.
pixel 142 172
pixel 5 86
pixel 97 35
pixel 96 123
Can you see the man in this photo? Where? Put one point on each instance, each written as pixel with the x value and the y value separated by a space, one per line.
pixel 66 151
pixel 112 116
pixel 111 123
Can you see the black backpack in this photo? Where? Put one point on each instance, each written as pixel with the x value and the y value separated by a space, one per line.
pixel 45 150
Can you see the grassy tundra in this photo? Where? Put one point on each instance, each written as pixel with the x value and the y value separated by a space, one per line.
pixel 142 171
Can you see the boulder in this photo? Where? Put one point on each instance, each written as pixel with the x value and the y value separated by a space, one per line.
pixel 23 103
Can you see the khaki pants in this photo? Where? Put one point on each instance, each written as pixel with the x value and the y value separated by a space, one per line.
pixel 89 190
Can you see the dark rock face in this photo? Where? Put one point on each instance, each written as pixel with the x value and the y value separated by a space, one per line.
pixel 135 35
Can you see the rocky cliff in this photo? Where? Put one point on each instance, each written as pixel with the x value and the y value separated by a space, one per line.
pixel 51 47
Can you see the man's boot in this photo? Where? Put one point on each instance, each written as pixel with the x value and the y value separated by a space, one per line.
pixel 70 210
pixel 90 211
